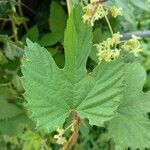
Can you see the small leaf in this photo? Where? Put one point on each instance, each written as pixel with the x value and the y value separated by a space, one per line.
pixel 3 59
pixel 57 23
pixel 18 20
pixel 57 19
pixel 131 126
pixel 32 34
pixel 50 39
pixel 12 50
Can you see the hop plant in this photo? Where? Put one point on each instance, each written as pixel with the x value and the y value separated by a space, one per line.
pixel 115 12
pixel 107 49
pixel 132 45
pixel 93 12
pixel 59 137
pixel 109 55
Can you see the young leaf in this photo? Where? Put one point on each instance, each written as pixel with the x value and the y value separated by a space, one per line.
pixel 52 93
pixel 131 127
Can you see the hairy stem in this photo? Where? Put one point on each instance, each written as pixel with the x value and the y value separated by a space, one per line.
pixel 73 138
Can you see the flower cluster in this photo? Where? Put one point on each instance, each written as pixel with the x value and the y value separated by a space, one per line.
pixel 109 55
pixel 59 137
pixel 132 45
pixel 108 51
pixel 95 11
pixel 115 11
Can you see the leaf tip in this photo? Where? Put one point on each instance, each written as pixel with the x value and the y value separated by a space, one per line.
pixel 28 42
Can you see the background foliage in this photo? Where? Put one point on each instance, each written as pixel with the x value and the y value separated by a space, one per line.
pixel 44 22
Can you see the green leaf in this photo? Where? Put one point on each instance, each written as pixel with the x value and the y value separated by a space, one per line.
pixel 12 50
pixel 32 34
pixel 131 127
pixel 3 59
pixel 57 23
pixel 59 59
pixel 42 76
pixel 52 93
pixel 49 39
pixel 57 19
pixel 14 125
pixel 5 7
pixel 11 116
pixel 18 20
pixel 127 9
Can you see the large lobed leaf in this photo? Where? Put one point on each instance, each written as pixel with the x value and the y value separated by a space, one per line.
pixel 52 93
pixel 131 126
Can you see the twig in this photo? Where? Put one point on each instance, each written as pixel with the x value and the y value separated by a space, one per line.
pixel 14 29
pixel 28 8
pixel 127 36
pixel 21 14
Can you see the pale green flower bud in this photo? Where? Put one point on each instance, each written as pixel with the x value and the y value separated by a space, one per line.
pixel 133 45
pixel 59 137
pixel 93 12
pixel 116 11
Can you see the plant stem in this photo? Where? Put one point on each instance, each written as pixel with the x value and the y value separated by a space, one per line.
pixel 107 20
pixel 69 6
pixel 14 28
pixel 21 14
pixel 73 139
